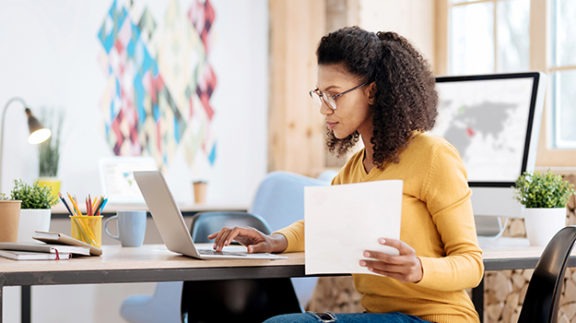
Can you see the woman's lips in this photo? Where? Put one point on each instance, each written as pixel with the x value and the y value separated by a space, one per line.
pixel 331 125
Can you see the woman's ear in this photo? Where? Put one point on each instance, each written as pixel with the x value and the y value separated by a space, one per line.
pixel 371 91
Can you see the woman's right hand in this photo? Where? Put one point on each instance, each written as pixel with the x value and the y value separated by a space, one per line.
pixel 254 240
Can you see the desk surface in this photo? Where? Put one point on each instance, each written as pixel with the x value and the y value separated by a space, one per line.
pixel 145 264
pixel 156 263
pixel 59 209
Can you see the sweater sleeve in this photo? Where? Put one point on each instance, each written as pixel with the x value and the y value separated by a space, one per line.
pixel 294 234
pixel 447 197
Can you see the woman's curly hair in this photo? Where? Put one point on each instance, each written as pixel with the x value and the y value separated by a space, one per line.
pixel 405 98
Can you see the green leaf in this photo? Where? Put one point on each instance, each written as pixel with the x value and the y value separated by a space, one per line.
pixel 543 190
pixel 33 196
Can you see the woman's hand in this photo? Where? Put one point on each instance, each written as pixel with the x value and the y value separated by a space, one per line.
pixel 254 240
pixel 404 267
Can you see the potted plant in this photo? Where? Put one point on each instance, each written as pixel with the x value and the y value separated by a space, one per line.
pixel 9 217
pixel 544 196
pixel 35 209
pixel 49 153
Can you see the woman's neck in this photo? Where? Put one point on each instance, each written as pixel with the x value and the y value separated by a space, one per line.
pixel 368 160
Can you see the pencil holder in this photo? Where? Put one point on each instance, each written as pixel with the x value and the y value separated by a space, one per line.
pixel 87 228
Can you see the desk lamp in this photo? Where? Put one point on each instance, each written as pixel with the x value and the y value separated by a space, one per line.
pixel 37 132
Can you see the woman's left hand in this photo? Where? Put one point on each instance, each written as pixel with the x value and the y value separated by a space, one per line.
pixel 404 267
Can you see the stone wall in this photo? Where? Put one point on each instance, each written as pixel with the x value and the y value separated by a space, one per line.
pixel 503 290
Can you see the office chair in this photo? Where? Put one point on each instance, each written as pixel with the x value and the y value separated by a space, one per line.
pixel 543 294
pixel 238 300
pixel 279 200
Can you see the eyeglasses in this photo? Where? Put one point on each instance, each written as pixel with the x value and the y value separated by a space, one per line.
pixel 330 100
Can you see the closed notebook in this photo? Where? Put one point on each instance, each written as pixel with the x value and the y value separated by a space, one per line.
pixel 31 255
pixel 63 239
pixel 43 247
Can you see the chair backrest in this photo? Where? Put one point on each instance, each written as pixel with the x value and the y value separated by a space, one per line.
pixel 543 294
pixel 238 300
pixel 279 198
pixel 206 223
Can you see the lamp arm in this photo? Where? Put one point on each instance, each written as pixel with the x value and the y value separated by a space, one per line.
pixel 3 121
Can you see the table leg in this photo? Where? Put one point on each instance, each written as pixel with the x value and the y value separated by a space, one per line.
pixel 25 304
pixel 478 299
pixel 1 301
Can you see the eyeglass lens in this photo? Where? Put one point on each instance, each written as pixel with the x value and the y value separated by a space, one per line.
pixel 318 98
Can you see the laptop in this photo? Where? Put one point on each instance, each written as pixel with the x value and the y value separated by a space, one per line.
pixel 171 225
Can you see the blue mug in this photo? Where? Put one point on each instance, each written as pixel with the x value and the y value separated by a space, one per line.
pixel 130 226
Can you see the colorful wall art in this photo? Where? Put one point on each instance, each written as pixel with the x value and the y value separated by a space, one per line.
pixel 159 81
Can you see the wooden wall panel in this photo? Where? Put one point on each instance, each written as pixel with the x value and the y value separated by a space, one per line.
pixel 296 139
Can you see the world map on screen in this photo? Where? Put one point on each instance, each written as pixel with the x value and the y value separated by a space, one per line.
pixel 487 123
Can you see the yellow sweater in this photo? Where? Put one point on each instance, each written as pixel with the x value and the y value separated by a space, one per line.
pixel 437 221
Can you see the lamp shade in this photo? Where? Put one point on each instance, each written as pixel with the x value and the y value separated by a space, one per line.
pixel 37 132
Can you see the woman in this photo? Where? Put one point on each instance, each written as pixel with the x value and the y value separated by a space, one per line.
pixel 378 88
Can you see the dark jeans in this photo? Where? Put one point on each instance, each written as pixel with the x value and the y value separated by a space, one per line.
pixel 310 317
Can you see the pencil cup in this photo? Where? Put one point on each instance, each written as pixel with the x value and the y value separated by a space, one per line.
pixel 87 228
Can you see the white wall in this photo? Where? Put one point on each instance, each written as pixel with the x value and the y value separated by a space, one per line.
pixel 49 57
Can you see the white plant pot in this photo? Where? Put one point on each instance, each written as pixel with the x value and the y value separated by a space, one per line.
pixel 543 224
pixel 33 220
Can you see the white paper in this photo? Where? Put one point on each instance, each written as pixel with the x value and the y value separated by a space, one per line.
pixel 342 221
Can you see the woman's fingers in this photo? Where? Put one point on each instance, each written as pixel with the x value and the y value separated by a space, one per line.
pixel 246 236
pixel 405 266
pixel 223 238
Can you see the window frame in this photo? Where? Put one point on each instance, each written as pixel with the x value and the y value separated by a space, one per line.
pixel 539 51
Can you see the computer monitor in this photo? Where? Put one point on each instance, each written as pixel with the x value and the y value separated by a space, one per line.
pixel 494 122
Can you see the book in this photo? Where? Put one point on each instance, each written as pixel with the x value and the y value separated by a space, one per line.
pixel 44 247
pixel 31 255
pixel 63 239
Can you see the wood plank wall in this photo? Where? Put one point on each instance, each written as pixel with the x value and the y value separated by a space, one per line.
pixel 295 124
pixel 296 129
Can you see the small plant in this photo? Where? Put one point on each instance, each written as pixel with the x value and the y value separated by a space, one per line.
pixel 33 196
pixel 4 197
pixel 543 190
pixel 49 151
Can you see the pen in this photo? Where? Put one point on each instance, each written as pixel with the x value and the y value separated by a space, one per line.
pixel 74 205
pixel 97 208
pixel 95 203
pixel 103 205
pixel 65 204
pixel 89 205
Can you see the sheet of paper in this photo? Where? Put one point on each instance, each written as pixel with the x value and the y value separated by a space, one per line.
pixel 341 221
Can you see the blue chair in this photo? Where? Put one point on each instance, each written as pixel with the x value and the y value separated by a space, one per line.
pixel 237 300
pixel 279 199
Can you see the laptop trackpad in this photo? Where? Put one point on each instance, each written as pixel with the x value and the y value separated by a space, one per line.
pixel 211 252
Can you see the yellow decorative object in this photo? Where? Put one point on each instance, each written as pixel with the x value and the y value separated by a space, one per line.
pixel 52 183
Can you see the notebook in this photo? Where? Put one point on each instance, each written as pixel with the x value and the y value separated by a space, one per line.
pixel 171 225
pixel 30 255
pixel 44 247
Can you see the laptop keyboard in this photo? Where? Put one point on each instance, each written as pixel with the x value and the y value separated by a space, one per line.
pixel 210 252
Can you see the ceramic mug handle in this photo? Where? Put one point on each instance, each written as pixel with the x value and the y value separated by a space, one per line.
pixel 108 233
